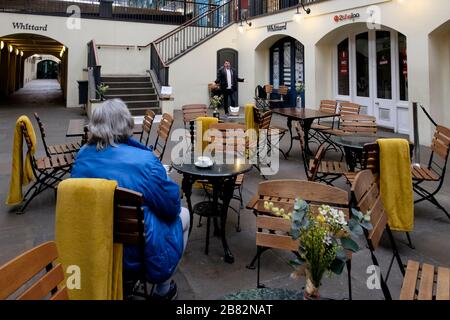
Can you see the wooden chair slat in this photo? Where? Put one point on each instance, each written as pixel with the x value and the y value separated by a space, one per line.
pixel 276 241
pixel 61 294
pixel 426 282
pixel 21 269
pixel 443 284
pixel 408 291
pixel 126 225
pixel 126 238
pixel 41 288
pixel 273 223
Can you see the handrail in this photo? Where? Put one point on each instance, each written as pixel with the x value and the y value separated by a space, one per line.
pixel 94 67
pixel 175 43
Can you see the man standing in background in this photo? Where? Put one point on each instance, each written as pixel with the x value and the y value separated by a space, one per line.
pixel 227 79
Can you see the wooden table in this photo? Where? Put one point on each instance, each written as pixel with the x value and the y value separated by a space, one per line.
pixel 306 117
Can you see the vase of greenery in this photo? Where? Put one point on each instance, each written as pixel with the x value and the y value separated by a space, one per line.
pixel 101 91
pixel 325 236
pixel 215 103
pixel 300 88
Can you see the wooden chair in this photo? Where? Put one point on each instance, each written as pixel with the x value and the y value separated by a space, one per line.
pixel 358 124
pixel 272 231
pixel 435 169
pixel 263 120
pixel 162 135
pixel 147 127
pixel 326 106
pixel 55 149
pixel 48 171
pixel 425 282
pixel 190 113
pixel 318 169
pixel 366 197
pixel 130 231
pixel 29 266
pixel 232 134
pixel 349 108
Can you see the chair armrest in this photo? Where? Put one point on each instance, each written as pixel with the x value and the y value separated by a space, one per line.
pixel 252 203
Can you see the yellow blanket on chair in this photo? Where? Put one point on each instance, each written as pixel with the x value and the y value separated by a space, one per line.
pixel 396 183
pixel 21 174
pixel 84 237
pixel 203 124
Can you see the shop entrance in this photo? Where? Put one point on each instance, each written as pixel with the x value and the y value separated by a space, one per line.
pixel 287 67
pixel 372 70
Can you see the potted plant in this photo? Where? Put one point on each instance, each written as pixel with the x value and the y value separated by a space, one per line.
pixel 101 90
pixel 325 236
pixel 215 103
pixel 300 88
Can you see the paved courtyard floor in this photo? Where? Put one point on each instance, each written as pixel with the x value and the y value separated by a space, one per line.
pixel 203 276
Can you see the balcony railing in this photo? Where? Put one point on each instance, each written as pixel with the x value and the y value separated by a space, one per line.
pixel 264 7
pixel 162 11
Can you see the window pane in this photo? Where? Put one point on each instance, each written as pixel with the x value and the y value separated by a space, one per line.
pixel 343 69
pixel 384 75
pixel 403 67
pixel 276 68
pixel 362 65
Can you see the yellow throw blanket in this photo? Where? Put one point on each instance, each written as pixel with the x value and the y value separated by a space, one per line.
pixel 84 237
pixel 21 174
pixel 203 124
pixel 396 183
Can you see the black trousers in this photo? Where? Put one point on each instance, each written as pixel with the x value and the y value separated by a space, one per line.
pixel 228 93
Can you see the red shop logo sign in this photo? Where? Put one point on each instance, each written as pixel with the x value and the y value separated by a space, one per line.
pixel 347 16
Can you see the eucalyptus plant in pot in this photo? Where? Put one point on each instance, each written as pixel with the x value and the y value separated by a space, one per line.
pixel 325 236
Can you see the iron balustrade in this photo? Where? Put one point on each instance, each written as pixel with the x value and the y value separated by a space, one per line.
pixel 264 7
pixel 190 34
pixel 94 67
pixel 162 11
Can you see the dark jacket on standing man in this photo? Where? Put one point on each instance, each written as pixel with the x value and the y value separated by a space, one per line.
pixel 222 79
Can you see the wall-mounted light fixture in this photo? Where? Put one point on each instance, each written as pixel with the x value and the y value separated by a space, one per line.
pixel 298 16
pixel 62 51
pixel 11 48
pixel 2 45
pixel 241 26
pixel 21 53
pixel 17 52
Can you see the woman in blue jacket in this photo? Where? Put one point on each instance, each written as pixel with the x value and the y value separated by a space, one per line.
pixel 112 153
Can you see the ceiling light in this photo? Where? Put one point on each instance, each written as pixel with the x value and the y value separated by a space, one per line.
pixel 2 44
pixel 11 48
pixel 21 53
pixel 17 52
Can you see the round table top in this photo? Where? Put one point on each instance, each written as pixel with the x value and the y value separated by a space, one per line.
pixel 217 170
pixel 355 141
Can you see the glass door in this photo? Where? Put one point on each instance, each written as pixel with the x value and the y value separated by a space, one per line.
pixel 363 81
pixel 384 104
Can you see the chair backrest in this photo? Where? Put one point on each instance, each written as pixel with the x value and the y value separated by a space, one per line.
pixel 232 137
pixel 282 91
pixel 262 119
pixel 268 88
pixel 283 194
pixel 42 130
pixel 163 134
pixel 147 127
pixel 358 124
pixel 29 265
pixel 367 197
pixel 328 106
pixel 349 108
pixel 193 111
pixel 441 147
pixel 129 218
pixel 260 93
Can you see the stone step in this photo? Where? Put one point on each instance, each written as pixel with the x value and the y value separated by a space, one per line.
pixel 145 104
pixel 125 79
pixel 122 85
pixel 133 97
pixel 118 91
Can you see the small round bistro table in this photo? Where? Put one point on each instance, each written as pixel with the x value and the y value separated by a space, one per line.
pixel 222 177
pixel 353 147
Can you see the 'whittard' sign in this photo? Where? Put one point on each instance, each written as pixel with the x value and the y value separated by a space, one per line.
pixel 27 26
pixel 277 27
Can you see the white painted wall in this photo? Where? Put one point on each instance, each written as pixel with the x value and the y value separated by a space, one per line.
pixel 112 59
pixel 102 31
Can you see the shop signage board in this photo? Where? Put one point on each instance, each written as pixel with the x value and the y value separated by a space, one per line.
pixel 346 17
pixel 277 27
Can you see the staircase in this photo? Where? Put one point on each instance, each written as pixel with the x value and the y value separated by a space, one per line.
pixel 188 36
pixel 135 90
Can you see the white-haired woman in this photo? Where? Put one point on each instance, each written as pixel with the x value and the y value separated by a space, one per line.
pixel 112 153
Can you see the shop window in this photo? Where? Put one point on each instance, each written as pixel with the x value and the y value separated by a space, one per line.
pixel 403 67
pixel 362 65
pixel 343 69
pixel 384 63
